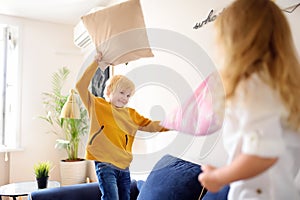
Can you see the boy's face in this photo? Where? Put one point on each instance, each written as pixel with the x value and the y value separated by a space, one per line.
pixel 120 97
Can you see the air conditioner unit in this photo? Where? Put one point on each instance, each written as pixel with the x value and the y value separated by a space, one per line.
pixel 81 36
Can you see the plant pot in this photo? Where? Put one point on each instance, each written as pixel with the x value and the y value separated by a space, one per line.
pixel 42 182
pixel 73 172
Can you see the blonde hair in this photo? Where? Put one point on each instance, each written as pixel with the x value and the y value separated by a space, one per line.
pixel 119 82
pixel 255 37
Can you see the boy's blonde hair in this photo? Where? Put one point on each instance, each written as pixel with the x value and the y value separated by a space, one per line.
pixel 118 82
pixel 255 37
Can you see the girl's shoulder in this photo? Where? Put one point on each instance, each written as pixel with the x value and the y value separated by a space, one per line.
pixel 255 95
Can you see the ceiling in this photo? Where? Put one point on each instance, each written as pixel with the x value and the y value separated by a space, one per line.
pixel 57 11
pixel 70 11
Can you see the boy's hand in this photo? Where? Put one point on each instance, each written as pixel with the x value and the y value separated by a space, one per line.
pixel 98 57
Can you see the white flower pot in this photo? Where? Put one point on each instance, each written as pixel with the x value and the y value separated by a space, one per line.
pixel 73 172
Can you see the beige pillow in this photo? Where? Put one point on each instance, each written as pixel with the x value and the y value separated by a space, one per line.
pixel 119 33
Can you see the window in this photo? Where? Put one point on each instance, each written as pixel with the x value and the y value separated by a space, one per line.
pixel 9 87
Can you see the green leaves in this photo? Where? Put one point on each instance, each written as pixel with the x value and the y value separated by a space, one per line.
pixel 42 169
pixel 72 129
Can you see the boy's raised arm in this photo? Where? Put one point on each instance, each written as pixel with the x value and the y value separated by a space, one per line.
pixel 84 81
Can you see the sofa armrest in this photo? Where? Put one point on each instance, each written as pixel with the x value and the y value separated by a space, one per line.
pixel 72 192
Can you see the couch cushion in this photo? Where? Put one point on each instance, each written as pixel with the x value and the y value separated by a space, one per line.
pixel 172 179
pixel 88 191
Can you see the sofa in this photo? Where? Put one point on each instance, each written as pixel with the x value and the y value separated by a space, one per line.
pixel 72 192
pixel 82 191
pixel 170 179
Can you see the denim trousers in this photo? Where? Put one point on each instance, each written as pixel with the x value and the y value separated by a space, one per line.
pixel 114 183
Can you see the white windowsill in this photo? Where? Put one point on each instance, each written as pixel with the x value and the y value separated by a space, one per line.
pixel 10 149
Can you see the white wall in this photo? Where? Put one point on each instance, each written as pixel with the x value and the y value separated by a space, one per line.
pixel 47 46
pixel 4 169
pixel 179 16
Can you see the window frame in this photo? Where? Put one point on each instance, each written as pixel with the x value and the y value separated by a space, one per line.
pixel 14 33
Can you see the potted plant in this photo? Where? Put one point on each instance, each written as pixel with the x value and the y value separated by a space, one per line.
pixel 41 171
pixel 71 129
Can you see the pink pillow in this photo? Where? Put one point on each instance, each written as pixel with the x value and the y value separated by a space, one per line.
pixel 119 33
pixel 203 112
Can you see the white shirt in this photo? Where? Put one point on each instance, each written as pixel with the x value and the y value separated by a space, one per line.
pixel 255 124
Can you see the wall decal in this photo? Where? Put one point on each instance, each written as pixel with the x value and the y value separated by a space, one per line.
pixel 210 18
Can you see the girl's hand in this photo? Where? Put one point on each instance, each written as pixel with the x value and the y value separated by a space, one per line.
pixel 98 57
pixel 209 179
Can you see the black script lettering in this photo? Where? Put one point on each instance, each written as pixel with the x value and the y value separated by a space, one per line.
pixel 210 18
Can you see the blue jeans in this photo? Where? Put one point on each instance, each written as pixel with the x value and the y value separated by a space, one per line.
pixel 114 183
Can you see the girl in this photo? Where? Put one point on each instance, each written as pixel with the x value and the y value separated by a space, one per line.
pixel 260 73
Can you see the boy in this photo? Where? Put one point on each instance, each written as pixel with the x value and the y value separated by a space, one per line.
pixel 112 130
